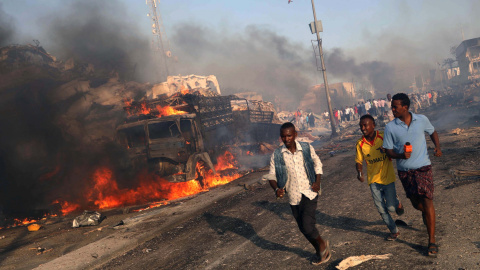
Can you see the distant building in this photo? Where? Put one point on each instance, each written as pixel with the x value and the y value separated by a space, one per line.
pixel 341 94
pixel 468 58
pixel 451 71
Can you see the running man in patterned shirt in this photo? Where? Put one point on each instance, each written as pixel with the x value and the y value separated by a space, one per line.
pixel 295 169
pixel 380 172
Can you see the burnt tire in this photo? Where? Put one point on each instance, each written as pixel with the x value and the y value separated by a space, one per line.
pixel 200 173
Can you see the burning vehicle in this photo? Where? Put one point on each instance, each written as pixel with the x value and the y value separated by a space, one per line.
pixel 179 137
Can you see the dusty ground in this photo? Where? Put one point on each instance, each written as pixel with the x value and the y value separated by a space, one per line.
pixel 232 227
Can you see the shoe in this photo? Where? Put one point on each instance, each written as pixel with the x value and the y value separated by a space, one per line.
pixel 399 210
pixel 318 259
pixel 432 250
pixel 392 236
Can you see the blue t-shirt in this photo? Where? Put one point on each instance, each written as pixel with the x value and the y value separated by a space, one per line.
pixel 397 133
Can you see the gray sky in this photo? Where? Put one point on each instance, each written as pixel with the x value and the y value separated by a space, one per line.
pixel 264 44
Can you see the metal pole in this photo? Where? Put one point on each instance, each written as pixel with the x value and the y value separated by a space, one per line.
pixel 327 91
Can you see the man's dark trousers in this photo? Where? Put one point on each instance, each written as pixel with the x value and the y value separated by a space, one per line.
pixel 304 214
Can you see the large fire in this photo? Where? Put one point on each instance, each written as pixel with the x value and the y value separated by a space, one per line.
pixel 104 192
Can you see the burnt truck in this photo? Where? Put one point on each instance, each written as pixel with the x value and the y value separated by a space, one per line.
pixel 186 139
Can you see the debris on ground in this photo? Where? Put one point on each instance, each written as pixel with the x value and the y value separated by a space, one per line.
pixel 457 131
pixel 34 227
pixel 41 250
pixel 97 229
pixel 460 177
pixel 356 260
pixel 88 218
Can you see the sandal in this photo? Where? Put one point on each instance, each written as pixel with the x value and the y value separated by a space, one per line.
pixel 318 259
pixel 392 236
pixel 432 250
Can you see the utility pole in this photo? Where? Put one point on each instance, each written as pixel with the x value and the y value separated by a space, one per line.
pixel 327 91
pixel 160 41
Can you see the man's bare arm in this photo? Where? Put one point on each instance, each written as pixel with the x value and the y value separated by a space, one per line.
pixel 316 185
pixel 359 168
pixel 391 154
pixel 279 192
pixel 436 142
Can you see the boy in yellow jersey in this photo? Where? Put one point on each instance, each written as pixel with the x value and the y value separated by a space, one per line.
pixel 381 176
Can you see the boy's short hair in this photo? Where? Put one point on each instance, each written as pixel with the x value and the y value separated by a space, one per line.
pixel 368 116
pixel 403 98
pixel 287 125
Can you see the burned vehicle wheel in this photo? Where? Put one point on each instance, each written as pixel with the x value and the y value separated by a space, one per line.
pixel 200 173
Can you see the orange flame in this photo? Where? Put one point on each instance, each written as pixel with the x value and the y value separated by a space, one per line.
pixel 167 110
pixel 226 161
pixel 25 221
pixel 184 90
pixel 105 192
pixel 144 109
pixel 66 207
pixel 127 102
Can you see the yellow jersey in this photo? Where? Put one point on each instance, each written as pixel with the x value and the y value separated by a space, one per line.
pixel 379 166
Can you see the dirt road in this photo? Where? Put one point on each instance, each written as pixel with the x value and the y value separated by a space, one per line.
pixel 235 227
pixel 253 230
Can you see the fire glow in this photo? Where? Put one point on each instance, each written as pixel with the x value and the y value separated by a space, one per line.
pixel 144 109
pixel 26 221
pixel 105 193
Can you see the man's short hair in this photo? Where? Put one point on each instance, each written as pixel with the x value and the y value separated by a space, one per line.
pixel 368 116
pixel 287 125
pixel 403 98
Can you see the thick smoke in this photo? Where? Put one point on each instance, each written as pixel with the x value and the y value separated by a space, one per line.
pixel 256 59
pixel 6 27
pixel 260 60
pixel 101 33
pixel 380 75
pixel 48 148
pixel 42 158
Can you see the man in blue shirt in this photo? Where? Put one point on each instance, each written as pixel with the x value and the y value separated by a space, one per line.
pixel 414 168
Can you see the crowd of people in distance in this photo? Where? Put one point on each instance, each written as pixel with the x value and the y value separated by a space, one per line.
pixel 380 107
pixel 302 120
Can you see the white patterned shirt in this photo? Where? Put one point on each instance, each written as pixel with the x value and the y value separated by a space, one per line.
pixel 297 181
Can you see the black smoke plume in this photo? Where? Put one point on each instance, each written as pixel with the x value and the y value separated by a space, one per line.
pixel 380 75
pixel 257 59
pixel 47 148
pixel 7 28
pixel 103 34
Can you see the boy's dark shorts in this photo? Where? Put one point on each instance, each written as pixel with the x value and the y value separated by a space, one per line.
pixel 418 182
